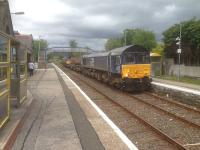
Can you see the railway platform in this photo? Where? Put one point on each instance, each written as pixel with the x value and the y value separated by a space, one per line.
pixel 180 84
pixel 62 117
pixel 18 116
pixel 184 92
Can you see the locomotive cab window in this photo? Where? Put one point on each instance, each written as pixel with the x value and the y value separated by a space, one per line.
pixel 142 58
pixel 129 58
pixel 136 58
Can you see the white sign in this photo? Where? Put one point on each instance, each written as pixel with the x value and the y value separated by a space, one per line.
pixel 178 43
pixel 178 38
pixel 179 51
pixel 36 65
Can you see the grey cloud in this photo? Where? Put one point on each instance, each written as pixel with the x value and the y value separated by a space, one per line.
pixel 93 21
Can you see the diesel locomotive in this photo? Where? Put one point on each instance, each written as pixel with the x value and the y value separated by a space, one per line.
pixel 126 67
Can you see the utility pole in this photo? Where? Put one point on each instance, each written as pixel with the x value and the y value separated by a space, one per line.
pixel 125 37
pixel 45 55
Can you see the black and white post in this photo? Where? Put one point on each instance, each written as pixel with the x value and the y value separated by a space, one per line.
pixel 178 39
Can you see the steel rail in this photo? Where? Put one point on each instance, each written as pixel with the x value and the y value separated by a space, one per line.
pixel 173 102
pixel 165 111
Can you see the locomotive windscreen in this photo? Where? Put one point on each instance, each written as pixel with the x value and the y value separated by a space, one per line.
pixel 136 58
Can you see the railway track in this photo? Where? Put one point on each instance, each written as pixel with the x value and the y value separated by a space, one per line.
pixel 145 115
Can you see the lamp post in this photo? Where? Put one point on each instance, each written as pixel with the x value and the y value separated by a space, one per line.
pixel 39 48
pixel 179 50
pixel 125 37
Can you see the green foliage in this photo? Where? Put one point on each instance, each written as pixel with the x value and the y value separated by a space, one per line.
pixel 190 41
pixel 39 44
pixel 75 54
pixel 159 49
pixel 133 36
pixel 113 43
pixel 87 47
pixel 43 44
pixel 73 44
pixel 140 37
pixel 183 79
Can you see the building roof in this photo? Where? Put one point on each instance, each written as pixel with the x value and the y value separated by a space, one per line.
pixel 5 18
pixel 25 39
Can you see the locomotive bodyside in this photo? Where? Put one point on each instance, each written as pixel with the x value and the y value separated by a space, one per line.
pixel 96 61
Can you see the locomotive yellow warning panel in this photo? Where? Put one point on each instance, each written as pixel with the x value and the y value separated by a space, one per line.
pixel 135 71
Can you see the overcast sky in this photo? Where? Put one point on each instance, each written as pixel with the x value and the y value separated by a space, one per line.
pixel 91 22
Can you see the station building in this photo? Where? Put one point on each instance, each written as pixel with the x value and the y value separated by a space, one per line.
pixel 5 18
pixel 14 54
pixel 26 39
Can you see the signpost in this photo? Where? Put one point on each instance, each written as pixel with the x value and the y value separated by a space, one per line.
pixel 179 52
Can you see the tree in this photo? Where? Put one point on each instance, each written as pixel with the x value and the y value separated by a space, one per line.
pixel 159 49
pixel 39 44
pixel 73 44
pixel 133 36
pixel 113 43
pixel 43 44
pixel 190 42
pixel 140 37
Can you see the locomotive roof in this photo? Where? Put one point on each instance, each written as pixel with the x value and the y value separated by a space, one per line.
pixel 119 51
pixel 130 48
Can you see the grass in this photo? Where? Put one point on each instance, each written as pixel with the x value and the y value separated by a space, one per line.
pixel 190 80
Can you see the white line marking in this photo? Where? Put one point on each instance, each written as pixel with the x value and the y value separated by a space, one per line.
pixel 195 92
pixel 195 144
pixel 121 135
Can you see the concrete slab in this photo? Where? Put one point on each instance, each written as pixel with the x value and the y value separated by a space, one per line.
pixel 18 116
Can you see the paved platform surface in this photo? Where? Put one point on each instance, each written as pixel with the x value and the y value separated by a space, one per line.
pixel 11 129
pixel 49 125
